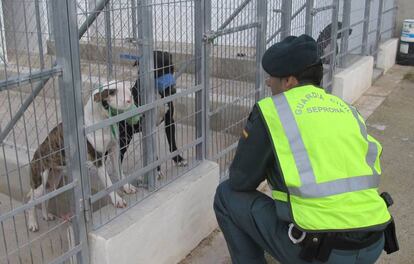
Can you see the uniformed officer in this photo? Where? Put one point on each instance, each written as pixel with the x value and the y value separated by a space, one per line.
pixel 322 166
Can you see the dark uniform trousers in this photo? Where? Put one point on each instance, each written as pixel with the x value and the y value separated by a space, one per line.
pixel 250 225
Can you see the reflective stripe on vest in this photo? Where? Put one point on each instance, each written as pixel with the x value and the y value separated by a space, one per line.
pixel 309 186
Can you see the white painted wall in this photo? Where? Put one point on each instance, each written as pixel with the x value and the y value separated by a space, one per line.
pixel 19 22
pixel 163 228
pixel 387 54
pixel 352 82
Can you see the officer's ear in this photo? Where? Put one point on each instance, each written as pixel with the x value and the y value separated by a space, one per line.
pixel 289 82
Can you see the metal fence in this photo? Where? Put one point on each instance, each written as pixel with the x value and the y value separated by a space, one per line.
pixel 231 98
pixel 202 59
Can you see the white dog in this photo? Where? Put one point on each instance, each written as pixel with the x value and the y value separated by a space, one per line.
pixel 48 162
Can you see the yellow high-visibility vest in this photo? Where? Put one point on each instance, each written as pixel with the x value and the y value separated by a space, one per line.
pixel 329 163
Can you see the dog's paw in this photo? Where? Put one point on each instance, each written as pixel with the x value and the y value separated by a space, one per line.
pixel 160 175
pixel 48 217
pixel 67 217
pixel 33 226
pixel 117 201
pixel 129 188
pixel 181 163
pixel 120 203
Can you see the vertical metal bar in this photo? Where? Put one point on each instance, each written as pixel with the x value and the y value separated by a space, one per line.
pixel 367 14
pixel 309 17
pixel 202 25
pixel 134 19
pixel 261 16
pixel 108 40
pixel 206 73
pixel 147 85
pixel 286 18
pixel 39 34
pixel 346 21
pixel 67 56
pixel 379 28
pixel 198 53
pixel 49 18
pixel 334 34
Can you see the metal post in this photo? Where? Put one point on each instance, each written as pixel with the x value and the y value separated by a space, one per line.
pixel 286 18
pixel 346 22
pixel 206 70
pixel 334 34
pixel 147 86
pixel 202 18
pixel 108 40
pixel 134 19
pixel 67 56
pixel 309 17
pixel 261 16
pixel 379 28
pixel 367 14
pixel 49 18
pixel 198 53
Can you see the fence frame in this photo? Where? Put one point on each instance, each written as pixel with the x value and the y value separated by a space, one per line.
pixel 67 55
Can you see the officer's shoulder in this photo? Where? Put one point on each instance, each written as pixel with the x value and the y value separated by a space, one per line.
pixel 254 114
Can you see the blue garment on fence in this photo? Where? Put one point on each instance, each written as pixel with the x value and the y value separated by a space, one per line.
pixel 165 81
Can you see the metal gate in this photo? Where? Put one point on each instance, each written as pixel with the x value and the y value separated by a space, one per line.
pixel 238 33
pixel 38 92
pixel 234 41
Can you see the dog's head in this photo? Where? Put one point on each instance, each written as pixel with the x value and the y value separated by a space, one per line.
pixel 116 95
pixel 163 63
pixel 163 70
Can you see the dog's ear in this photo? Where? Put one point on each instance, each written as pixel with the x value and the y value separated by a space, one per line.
pixel 103 95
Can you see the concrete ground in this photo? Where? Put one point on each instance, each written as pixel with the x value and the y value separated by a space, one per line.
pixel 388 107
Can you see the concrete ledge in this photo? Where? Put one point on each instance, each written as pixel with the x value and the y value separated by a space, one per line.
pixel 165 227
pixel 350 83
pixel 387 54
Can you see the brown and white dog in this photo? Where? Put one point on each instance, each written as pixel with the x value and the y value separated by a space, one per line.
pixel 48 163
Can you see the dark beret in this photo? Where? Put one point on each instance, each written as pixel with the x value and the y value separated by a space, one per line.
pixel 290 56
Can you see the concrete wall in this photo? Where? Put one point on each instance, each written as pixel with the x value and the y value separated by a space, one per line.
pixel 405 11
pixel 350 83
pixel 163 228
pixel 20 27
pixel 387 54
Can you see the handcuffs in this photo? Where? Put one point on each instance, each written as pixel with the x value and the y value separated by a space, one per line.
pixel 295 240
